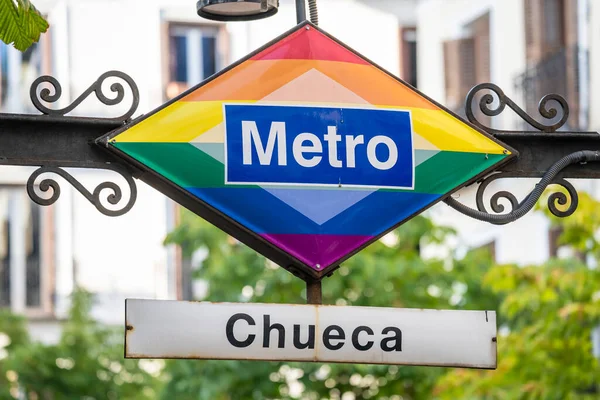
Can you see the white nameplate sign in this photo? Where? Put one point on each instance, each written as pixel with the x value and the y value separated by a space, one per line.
pixel 249 331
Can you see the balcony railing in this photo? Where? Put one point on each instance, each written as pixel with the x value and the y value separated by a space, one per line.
pixel 557 73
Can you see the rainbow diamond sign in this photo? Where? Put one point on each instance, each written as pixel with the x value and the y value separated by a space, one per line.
pixel 306 151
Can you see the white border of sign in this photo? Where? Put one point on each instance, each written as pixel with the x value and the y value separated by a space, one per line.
pixel 250 331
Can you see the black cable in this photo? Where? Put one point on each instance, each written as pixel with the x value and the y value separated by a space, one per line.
pixel 314 14
pixel 533 197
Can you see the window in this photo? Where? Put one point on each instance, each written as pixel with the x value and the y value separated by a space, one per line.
pixel 459 71
pixel 23 274
pixel 548 27
pixel 3 72
pixel 32 256
pixel 408 54
pixel 192 56
pixel 5 245
pixel 552 55
pixel 19 69
pixel 467 63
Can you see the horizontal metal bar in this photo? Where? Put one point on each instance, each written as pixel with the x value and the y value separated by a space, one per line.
pixel 537 152
pixel 36 140
pixel 68 142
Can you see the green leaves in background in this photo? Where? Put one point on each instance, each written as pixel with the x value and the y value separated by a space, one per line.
pixel 86 363
pixel 20 23
pixel 546 314
pixel 389 273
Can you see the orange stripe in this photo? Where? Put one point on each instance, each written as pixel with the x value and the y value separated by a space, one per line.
pixel 253 80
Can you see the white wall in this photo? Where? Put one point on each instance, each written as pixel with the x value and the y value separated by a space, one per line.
pixel 405 11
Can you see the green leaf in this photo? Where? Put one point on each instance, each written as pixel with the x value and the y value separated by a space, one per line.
pixel 20 23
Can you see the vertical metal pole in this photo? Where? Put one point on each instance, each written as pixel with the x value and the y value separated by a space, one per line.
pixel 313 292
pixel 300 11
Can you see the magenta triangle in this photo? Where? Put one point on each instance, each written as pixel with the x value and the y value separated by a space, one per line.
pixel 318 251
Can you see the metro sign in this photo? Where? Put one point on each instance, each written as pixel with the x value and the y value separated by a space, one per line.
pixel 306 151
pixel 383 148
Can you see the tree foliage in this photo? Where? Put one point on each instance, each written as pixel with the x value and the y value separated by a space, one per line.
pixel 546 314
pixel 21 24
pixel 87 363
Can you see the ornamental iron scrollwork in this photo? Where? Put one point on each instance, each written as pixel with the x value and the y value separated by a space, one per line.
pixel 555 199
pixel 518 210
pixel 117 89
pixel 497 95
pixel 114 197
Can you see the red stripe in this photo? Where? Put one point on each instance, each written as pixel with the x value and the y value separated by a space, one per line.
pixel 309 44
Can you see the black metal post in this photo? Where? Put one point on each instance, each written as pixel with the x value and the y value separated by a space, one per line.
pixel 300 11
pixel 313 292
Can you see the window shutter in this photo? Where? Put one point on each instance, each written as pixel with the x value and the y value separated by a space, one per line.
pixel 552 27
pixel 451 77
pixel 460 75
pixel 533 30
pixel 481 37
pixel 408 55
pixel 572 61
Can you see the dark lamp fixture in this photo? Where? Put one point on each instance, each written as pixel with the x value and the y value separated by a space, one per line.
pixel 236 10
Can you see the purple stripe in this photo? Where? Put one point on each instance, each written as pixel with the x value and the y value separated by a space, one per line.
pixel 317 251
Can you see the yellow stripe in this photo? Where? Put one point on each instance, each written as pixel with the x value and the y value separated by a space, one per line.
pixel 180 122
pixel 450 134
pixel 187 121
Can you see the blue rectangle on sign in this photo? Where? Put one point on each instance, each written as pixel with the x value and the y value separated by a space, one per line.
pixel 318 146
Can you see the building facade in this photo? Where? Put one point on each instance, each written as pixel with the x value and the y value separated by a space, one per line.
pixel 529 48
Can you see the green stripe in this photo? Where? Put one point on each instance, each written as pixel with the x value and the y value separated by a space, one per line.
pixel 181 163
pixel 186 166
pixel 449 169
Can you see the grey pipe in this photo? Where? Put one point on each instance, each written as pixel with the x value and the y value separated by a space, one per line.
pixel 533 197
pixel 300 11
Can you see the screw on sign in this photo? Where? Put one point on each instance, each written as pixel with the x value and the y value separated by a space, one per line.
pixel 306 151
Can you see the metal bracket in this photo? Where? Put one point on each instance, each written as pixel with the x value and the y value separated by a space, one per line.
pixel 46 95
pixel 545 152
pixel 54 141
pixel 114 198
